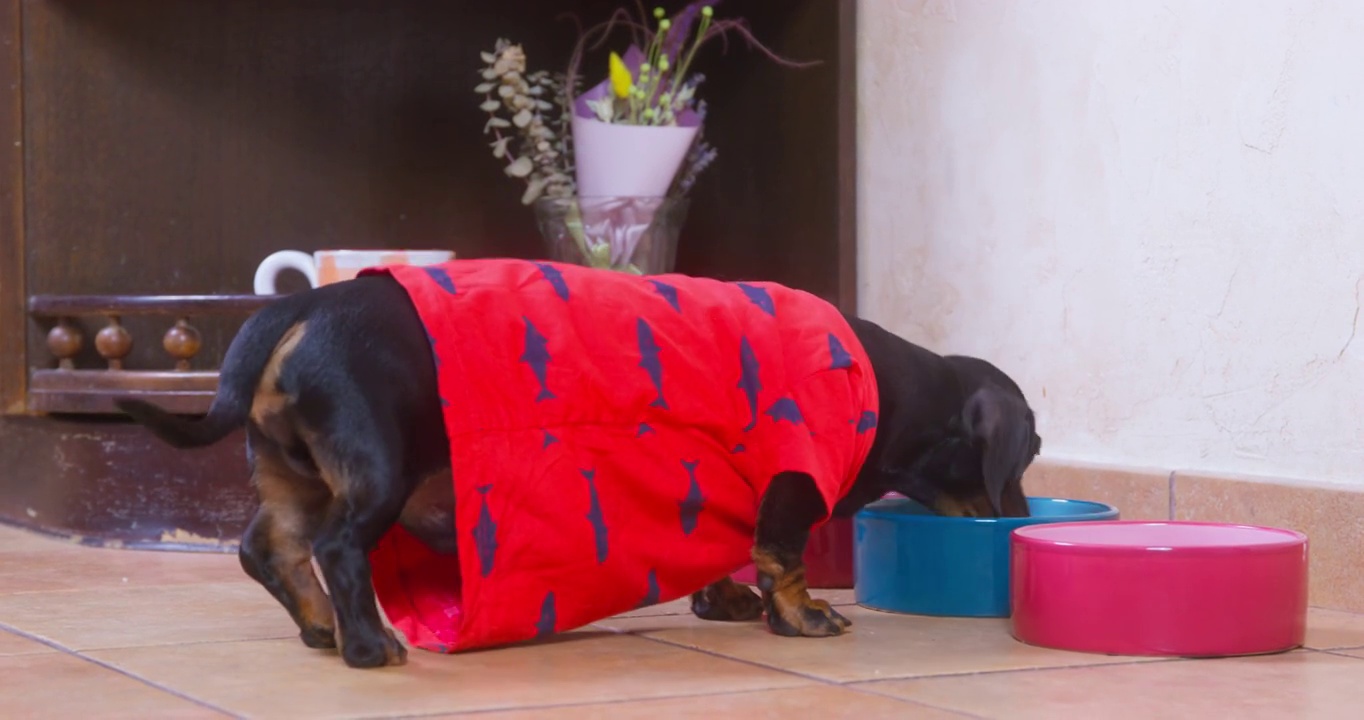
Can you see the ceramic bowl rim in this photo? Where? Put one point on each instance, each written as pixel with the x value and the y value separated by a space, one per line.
pixel 1099 511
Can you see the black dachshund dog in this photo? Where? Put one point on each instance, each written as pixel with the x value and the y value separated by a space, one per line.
pixel 336 389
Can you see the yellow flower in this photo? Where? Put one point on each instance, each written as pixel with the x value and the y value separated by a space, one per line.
pixel 621 82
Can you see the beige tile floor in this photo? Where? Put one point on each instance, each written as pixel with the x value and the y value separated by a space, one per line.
pixel 110 634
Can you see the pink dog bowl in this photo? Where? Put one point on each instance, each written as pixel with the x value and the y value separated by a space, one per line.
pixel 828 557
pixel 1160 588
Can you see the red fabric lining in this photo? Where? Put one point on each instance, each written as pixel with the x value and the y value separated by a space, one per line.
pixel 589 457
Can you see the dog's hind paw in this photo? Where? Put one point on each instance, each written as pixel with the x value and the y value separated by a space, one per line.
pixel 319 637
pixel 726 601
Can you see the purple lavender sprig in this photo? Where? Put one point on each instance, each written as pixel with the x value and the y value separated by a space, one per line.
pixel 699 157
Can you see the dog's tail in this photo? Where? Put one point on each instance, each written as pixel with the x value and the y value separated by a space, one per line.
pixel 242 368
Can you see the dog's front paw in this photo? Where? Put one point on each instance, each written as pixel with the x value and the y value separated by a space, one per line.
pixel 374 651
pixel 804 617
pixel 786 599
pixel 726 601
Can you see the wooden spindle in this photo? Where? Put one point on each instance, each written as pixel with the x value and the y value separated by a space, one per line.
pixel 114 342
pixel 64 341
pixel 182 342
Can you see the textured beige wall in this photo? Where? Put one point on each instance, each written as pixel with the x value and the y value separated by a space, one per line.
pixel 1151 214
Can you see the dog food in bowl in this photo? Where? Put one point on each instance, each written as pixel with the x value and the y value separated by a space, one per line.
pixel 908 559
pixel 1160 588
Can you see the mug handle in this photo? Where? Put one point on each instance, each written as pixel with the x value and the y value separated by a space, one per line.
pixel 277 262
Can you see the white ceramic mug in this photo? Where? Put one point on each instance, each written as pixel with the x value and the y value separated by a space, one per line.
pixel 329 266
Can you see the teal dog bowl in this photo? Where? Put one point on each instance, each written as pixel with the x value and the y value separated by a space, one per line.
pixel 909 560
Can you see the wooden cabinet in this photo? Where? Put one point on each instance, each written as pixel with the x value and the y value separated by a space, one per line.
pixel 152 152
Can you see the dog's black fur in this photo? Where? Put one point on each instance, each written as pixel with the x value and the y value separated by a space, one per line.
pixel 337 390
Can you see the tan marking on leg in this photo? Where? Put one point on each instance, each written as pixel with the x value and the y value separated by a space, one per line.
pixel 788 598
pixel 280 544
pixel 268 400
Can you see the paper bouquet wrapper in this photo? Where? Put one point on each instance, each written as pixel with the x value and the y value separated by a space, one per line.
pixel 628 160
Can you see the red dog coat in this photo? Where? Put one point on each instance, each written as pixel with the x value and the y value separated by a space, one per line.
pixel 610 438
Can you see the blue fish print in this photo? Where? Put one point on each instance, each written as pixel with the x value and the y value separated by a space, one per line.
pixel 549 439
pixel 738 449
pixel 485 535
pixel 444 403
pixel 649 360
pixel 748 380
pixel 441 278
pixel 758 296
pixel 838 355
pixel 651 595
pixel 555 279
pixel 594 516
pixel 866 422
pixel 432 341
pixel 692 505
pixel 645 429
pixel 785 409
pixel 668 292
pixel 537 357
pixel 545 627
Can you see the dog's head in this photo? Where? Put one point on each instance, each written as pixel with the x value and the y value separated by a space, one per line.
pixel 980 466
pixel 976 468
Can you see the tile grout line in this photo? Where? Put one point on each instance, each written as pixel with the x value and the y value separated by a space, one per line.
pixel 38 639
pixel 712 653
pixel 64 650
pixel 868 682
pixel 862 689
pixel 1040 668
pixel 187 643
pixel 1151 660
pixel 1171 493
pixel 617 701
pixel 819 680
pixel 122 587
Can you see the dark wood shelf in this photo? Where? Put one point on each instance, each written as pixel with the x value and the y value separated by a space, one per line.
pixel 52 306
pixel 166 147
pixel 94 391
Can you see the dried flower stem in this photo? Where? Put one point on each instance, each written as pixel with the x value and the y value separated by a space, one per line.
pixel 541 157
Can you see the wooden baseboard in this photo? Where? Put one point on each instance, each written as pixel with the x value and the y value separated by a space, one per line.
pixel 1330 516
pixel 111 483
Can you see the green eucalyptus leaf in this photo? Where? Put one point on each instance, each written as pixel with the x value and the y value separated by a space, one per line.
pixel 534 189
pixel 521 167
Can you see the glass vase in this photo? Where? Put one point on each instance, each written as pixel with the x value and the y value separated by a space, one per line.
pixel 628 234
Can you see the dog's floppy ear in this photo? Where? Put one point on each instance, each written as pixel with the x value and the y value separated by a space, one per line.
pixel 1002 424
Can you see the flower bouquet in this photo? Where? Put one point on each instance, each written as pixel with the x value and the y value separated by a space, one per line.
pixel 609 170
